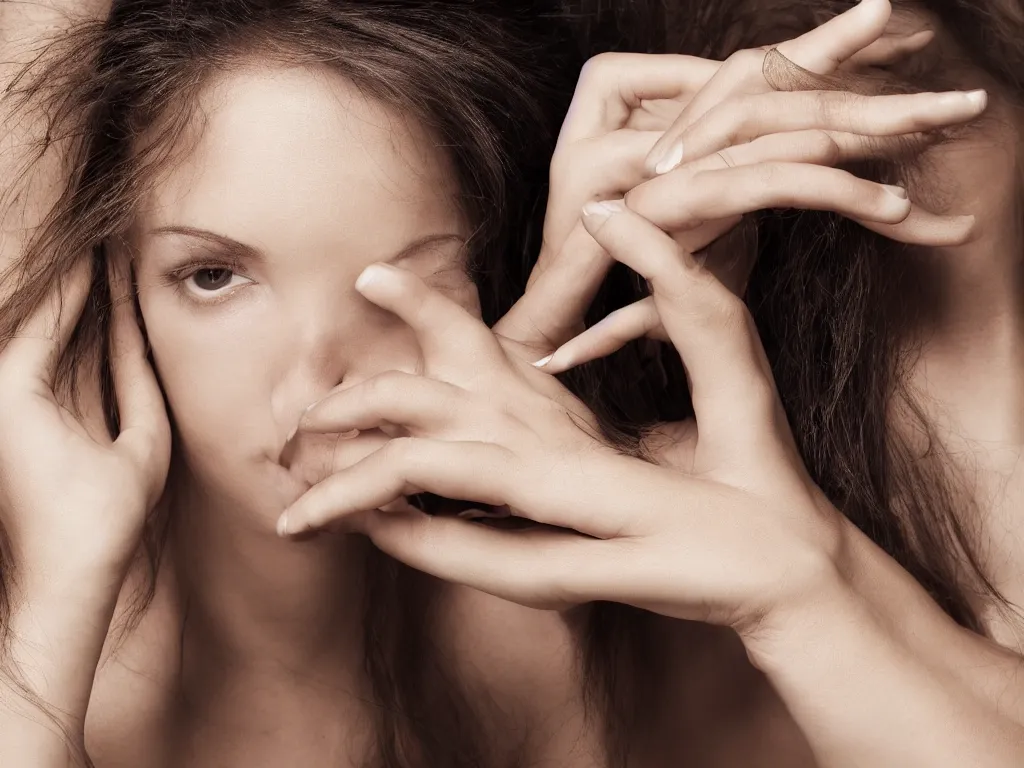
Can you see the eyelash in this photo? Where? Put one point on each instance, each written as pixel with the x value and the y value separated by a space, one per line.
pixel 178 276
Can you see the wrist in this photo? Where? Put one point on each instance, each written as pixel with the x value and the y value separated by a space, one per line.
pixel 79 577
pixel 786 636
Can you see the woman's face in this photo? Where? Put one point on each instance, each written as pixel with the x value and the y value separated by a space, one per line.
pixel 247 253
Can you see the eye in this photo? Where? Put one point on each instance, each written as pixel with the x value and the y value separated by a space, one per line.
pixel 208 283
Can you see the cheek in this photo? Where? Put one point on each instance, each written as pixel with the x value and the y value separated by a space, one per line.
pixel 212 374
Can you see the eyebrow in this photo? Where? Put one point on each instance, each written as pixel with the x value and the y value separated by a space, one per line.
pixel 239 251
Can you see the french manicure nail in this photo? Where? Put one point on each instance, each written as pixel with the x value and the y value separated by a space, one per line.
pixel 671 159
pixel 543 361
pixel 372 274
pixel 282 525
pixel 978 98
pixel 896 191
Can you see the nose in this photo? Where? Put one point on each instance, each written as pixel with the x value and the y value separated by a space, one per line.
pixel 333 343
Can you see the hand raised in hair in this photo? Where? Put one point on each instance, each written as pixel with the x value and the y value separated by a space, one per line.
pixel 732 145
pixel 71 500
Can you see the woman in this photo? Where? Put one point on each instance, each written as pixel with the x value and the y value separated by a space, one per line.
pixel 223 182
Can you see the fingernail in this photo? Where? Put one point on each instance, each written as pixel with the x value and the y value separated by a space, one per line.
pixel 543 361
pixel 896 191
pixel 955 99
pixel 348 434
pixel 978 98
pixel 671 159
pixel 374 273
pixel 282 525
pixel 597 211
pixel 292 434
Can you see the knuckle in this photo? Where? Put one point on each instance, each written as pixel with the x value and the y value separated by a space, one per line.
pixel 599 67
pixel 823 148
pixel 725 310
pixel 400 451
pixel 746 61
pixel 384 386
pixel 834 106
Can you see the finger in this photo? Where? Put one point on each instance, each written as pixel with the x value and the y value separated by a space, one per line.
pixel 543 568
pixel 36 347
pixel 609 335
pixel 819 51
pixel 730 380
pixel 742 120
pixel 313 457
pixel 818 147
pixel 612 85
pixel 422 405
pixel 657 115
pixel 145 431
pixel 891 49
pixel 690 200
pixel 591 169
pixel 456 470
pixel 927 229
pixel 447 333
pixel 557 297
pixel 635 321
pixel 824 48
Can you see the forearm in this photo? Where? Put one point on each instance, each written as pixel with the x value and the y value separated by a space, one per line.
pixel 55 637
pixel 865 696
pixel 906 610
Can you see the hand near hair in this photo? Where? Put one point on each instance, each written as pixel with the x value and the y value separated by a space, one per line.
pixel 747 148
pixel 69 498
pixel 72 505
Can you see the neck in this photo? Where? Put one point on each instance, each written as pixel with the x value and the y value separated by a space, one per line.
pixel 256 603
pixel 971 368
pixel 969 375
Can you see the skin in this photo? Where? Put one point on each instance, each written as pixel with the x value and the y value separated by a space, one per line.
pixel 228 618
pixel 25 27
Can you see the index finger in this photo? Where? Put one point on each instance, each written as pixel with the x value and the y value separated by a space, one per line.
pixel 448 335
pixel 612 85
pixel 38 343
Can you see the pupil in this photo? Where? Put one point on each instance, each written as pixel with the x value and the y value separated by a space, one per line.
pixel 212 279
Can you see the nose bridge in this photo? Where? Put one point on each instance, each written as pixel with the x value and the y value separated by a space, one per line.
pixel 336 337
pixel 322 337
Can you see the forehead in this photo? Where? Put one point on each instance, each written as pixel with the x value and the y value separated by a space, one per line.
pixel 286 155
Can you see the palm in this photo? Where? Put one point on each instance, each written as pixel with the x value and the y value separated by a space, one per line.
pixel 69 494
